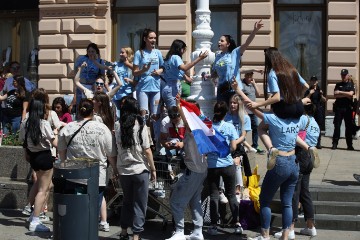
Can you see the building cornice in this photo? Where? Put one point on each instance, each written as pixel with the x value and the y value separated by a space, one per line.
pixel 72 10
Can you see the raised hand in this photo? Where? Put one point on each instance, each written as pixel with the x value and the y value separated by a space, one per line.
pixel 203 55
pixel 258 25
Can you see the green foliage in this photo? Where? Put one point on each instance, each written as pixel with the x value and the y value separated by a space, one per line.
pixel 11 139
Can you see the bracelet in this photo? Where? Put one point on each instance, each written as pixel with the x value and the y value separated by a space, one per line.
pixel 56 134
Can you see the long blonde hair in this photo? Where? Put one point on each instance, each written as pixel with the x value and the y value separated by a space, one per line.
pixel 241 109
pixel 129 53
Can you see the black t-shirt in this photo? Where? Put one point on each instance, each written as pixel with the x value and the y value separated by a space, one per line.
pixel 315 97
pixel 345 87
pixel 14 104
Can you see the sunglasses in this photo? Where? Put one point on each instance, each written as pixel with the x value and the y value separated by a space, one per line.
pixel 99 84
pixel 15 67
pixel 173 116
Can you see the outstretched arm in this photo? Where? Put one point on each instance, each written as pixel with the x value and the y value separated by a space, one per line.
pixel 201 56
pixel 251 37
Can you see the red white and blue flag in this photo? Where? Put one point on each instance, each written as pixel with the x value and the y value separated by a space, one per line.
pixel 207 139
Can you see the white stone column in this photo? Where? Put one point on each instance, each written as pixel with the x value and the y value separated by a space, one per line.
pixel 203 91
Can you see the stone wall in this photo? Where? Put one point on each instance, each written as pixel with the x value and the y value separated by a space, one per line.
pixel 66 27
pixel 343 43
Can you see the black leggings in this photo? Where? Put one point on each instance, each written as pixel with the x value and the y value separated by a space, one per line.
pixel 228 175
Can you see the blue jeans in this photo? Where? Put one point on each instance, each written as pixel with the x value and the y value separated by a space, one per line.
pixel 284 175
pixel 149 98
pixel 254 132
pixel 14 123
pixel 187 190
pixel 169 92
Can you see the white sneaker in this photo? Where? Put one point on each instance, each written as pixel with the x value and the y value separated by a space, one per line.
pixel 104 227
pixel 259 238
pixel 43 217
pixel 179 235
pixel 309 231
pixel 223 198
pixel 291 234
pixel 38 227
pixel 212 230
pixel 196 236
pixel 27 210
pixel 274 152
pixel 314 156
pixel 238 197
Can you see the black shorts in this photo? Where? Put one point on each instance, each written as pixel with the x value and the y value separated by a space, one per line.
pixel 40 160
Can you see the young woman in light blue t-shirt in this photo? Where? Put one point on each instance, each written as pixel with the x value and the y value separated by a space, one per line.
pixel 223 167
pixel 227 63
pixel 173 65
pixel 123 68
pixel 147 63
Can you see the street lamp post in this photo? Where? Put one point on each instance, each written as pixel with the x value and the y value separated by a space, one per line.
pixel 201 90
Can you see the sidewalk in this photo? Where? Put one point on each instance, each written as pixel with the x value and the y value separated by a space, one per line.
pixel 336 169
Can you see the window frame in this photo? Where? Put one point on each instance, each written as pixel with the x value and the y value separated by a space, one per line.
pixel 18 17
pixel 129 10
pixel 306 7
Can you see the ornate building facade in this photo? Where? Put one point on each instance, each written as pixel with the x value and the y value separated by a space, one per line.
pixel 320 37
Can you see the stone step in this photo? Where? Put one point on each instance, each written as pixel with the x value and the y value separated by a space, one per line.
pixel 13 193
pixel 326 207
pixel 13 163
pixel 332 193
pixel 326 221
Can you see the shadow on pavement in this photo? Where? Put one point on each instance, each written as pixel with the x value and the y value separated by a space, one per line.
pixel 342 183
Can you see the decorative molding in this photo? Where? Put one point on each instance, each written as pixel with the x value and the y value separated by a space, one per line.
pixel 72 10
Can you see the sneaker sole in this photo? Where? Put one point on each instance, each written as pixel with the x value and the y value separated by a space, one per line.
pixel 272 159
pixel 315 157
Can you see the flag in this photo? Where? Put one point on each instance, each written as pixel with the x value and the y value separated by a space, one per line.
pixel 207 139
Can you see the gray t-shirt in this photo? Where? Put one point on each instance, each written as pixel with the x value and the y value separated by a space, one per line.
pixel 249 91
pixel 132 160
pixel 46 136
pixel 94 141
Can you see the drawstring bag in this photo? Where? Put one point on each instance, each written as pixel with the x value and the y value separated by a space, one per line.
pixel 248 217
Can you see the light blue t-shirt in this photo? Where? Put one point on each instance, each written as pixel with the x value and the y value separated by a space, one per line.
pixel 123 72
pixel 172 71
pixel 89 74
pixel 273 85
pixel 312 131
pixel 227 65
pixel 229 132
pixel 147 82
pixel 9 85
pixel 283 132
pixel 235 120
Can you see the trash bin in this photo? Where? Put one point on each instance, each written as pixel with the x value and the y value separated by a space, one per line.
pixel 75 205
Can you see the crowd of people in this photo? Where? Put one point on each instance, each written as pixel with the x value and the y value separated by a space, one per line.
pixel 129 111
